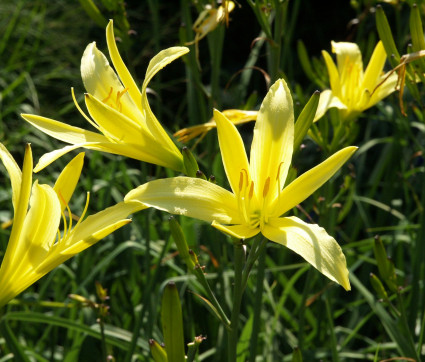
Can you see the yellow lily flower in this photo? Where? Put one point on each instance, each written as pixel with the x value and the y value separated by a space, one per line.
pixel 36 245
pixel 119 110
pixel 259 199
pixel 236 116
pixel 352 89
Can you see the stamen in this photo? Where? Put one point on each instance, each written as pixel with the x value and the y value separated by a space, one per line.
pixel 82 112
pixel 65 227
pixel 240 181
pixel 251 190
pixel 108 96
pixel 266 187
pixel 84 211
pixel 118 101
pixel 70 221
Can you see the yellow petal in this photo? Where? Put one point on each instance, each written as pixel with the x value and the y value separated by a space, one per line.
pixel 14 172
pixel 334 78
pixel 374 68
pixel 304 185
pixel 326 101
pixel 20 214
pixel 158 62
pixel 273 140
pixel 312 243
pixel 101 81
pixel 346 54
pixel 67 180
pixel 190 197
pixel 232 150
pixel 237 231
pixel 120 67
pixel 384 89
pixel 114 125
pixel 63 131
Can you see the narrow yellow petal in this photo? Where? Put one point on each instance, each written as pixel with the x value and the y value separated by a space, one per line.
pixel 190 197
pixel 158 62
pixel 232 150
pixel 326 101
pixel 273 141
pixel 312 243
pixel 384 89
pixel 62 131
pixel 374 69
pixel 237 231
pixel 14 172
pixel 334 78
pixel 120 67
pixel 304 185
pixel 67 180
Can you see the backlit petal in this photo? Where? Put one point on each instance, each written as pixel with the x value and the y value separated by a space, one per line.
pixel 188 196
pixel 346 54
pixel 232 150
pixel 304 185
pixel 312 243
pixel 273 140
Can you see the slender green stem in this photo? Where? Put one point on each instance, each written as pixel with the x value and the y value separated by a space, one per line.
pixel 237 298
pixel 257 304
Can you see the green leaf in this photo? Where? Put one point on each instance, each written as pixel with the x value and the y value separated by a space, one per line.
pixel 305 119
pixel 172 324
pixel 386 36
pixel 12 342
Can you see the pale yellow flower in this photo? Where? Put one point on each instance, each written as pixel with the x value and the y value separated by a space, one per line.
pixel 258 198
pixel 210 18
pixel 354 90
pixel 36 246
pixel 118 110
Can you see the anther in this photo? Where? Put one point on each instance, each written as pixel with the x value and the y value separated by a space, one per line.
pixel 266 187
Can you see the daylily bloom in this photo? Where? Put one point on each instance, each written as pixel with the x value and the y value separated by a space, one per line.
pixel 209 19
pixel 352 89
pixel 118 109
pixel 236 116
pixel 36 246
pixel 258 199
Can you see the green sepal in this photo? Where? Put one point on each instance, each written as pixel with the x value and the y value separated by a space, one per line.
pixel 158 352
pixel 297 355
pixel 180 240
pixel 189 161
pixel 305 120
pixel 385 265
pixel 378 287
pixel 172 324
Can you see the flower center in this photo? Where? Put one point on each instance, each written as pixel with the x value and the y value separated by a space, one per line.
pixel 117 103
pixel 256 209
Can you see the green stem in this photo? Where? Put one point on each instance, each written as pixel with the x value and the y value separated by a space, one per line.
pixel 257 303
pixel 237 298
pixel 334 344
